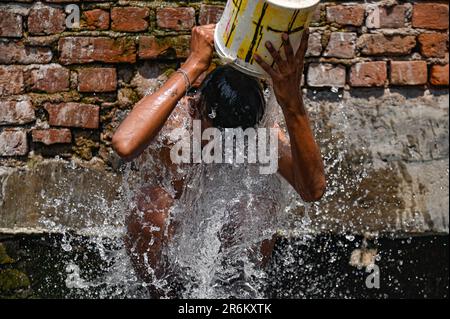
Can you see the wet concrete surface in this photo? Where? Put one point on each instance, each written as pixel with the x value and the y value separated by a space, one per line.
pixel 415 267
pixel 319 266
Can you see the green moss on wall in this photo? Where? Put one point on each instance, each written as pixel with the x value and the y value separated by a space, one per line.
pixel 13 279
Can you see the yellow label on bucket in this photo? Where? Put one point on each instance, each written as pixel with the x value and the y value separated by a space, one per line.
pixel 246 25
pixel 269 18
pixel 239 7
pixel 251 42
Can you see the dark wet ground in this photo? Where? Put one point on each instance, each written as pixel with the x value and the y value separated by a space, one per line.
pixel 414 267
pixel 315 267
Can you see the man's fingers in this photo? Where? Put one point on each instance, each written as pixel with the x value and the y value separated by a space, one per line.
pixel 208 32
pixel 264 65
pixel 288 49
pixel 209 26
pixel 274 53
pixel 300 55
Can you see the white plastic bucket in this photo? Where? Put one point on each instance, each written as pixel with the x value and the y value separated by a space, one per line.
pixel 246 25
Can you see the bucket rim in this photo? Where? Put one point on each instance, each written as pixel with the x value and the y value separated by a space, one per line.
pixel 308 4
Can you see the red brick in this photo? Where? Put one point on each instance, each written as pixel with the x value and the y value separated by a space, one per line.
pixel 129 19
pixel 341 45
pixel 10 24
pixel 79 50
pixel 439 75
pixel 96 19
pixel 151 47
pixel 182 18
pixel 46 20
pixel 97 80
pixel 114 50
pixel 430 16
pixel 314 45
pixel 16 112
pixel 11 52
pixel 346 14
pixel 73 115
pixel 11 80
pixel 49 78
pixel 368 74
pixel 433 45
pixel 380 44
pixel 209 14
pixel 409 72
pixel 326 75
pixel 62 1
pixel 386 17
pixel 317 15
pixel 13 142
pixel 52 136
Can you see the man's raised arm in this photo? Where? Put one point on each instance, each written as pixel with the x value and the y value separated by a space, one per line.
pixel 149 115
pixel 302 166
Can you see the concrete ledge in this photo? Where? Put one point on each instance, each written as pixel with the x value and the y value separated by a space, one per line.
pixel 55 195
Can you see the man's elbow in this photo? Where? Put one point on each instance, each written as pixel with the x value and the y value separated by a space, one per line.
pixel 315 193
pixel 122 148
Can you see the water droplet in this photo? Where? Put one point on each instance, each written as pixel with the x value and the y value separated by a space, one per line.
pixel 213 113
pixel 350 237
pixel 66 247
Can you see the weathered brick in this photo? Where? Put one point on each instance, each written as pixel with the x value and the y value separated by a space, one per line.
pixel 151 47
pixel 73 115
pixel 46 20
pixel 16 112
pixel 386 17
pixel 10 24
pixel 346 14
pixel 96 19
pixel 13 142
pixel 181 18
pixel 439 74
pixel 368 74
pixel 12 52
pixel 381 44
pixel 11 80
pixel 79 50
pixel 409 72
pixel 97 80
pixel 326 75
pixel 129 19
pixel 210 14
pixel 115 50
pixel 433 45
pixel 52 136
pixel 341 45
pixel 430 16
pixel 63 1
pixel 314 45
pixel 317 15
pixel 49 78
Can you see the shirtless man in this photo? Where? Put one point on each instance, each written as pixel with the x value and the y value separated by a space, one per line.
pixel 300 161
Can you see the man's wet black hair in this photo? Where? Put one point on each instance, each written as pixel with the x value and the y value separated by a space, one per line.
pixel 231 99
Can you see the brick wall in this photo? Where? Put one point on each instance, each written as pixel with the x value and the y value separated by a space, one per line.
pixel 64 90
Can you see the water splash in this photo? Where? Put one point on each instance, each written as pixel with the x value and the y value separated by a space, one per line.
pixel 220 224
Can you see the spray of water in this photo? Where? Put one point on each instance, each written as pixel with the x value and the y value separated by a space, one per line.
pixel 223 215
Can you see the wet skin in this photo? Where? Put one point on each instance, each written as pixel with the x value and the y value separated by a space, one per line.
pixel 300 161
